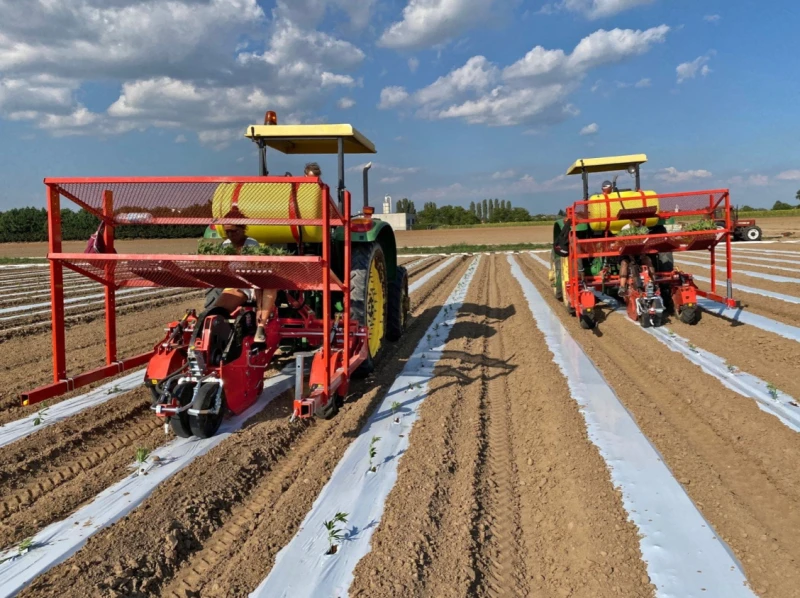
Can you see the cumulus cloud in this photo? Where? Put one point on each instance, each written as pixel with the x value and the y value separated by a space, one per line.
pixel 504 174
pixel 789 175
pixel 346 103
pixel 753 180
pixel 534 89
pixel 690 70
pixel 413 64
pixel 594 9
pixel 209 66
pixel 392 97
pixel 426 23
pixel 381 167
pixel 712 18
pixel 673 175
pixel 591 129
pixel 391 179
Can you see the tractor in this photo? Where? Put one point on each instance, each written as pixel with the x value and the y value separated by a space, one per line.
pixel 743 229
pixel 341 293
pixel 620 242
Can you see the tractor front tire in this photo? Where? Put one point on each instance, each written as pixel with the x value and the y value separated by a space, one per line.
pixel 368 300
pixel 752 233
pixel 399 305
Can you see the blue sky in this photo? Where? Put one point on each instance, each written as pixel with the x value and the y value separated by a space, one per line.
pixel 464 99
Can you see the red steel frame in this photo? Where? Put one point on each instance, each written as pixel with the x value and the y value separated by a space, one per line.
pixel 62 383
pixel 641 244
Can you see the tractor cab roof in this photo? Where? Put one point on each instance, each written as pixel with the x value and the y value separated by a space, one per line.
pixel 609 164
pixel 311 139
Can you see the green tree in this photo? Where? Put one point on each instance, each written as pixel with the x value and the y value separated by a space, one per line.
pixel 472 207
pixel 797 195
pixel 490 211
pixel 561 213
pixel 486 210
pixel 779 205
pixel 479 212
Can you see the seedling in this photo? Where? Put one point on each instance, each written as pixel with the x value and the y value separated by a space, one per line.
pixel 773 391
pixel 671 333
pixel 23 548
pixel 334 532
pixel 40 416
pixel 372 452
pixel 731 368
pixel 141 458
pixel 692 347
pixel 395 409
pixel 112 390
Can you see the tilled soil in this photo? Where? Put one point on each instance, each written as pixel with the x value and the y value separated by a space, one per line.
pixel 255 487
pixel 777 309
pixel 27 360
pixel 730 456
pixel 787 288
pixel 500 492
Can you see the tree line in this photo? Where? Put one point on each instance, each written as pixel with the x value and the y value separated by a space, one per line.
pixel 25 225
pixel 486 211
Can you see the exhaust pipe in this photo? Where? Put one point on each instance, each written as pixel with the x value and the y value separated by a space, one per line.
pixel 366 183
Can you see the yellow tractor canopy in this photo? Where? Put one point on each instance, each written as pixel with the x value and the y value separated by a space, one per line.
pixel 608 164
pixel 311 139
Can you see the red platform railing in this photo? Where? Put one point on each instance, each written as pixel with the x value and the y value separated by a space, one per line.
pixel 695 204
pixel 181 201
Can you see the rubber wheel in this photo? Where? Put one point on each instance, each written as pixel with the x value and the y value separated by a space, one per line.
pixel 752 233
pixel 587 321
pixel 555 273
pixel 644 320
pixel 180 423
pixel 689 315
pixel 399 305
pixel 368 304
pixel 205 426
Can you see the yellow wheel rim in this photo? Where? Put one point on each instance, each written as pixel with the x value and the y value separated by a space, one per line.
pixel 376 308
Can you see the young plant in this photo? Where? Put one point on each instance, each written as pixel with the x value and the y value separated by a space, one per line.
pixel 373 451
pixel 730 367
pixel 395 409
pixel 773 391
pixel 40 415
pixel 141 458
pixel 692 347
pixel 23 547
pixel 334 532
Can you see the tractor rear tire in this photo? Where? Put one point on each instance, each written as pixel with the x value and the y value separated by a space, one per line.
pixel 555 269
pixel 752 233
pixel 368 300
pixel 205 426
pixel 180 423
pixel 399 305
pixel 689 315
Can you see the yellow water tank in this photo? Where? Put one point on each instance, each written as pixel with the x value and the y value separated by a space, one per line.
pixel 600 207
pixel 271 200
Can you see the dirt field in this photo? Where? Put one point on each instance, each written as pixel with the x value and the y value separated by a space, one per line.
pixel 501 492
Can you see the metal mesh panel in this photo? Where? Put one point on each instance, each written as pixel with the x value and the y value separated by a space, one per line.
pixel 176 200
pixel 182 271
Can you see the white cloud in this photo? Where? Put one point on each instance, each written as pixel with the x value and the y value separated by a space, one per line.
pixel 642 83
pixel 413 64
pixel 180 139
pixel 380 166
pixel 753 180
pixel 426 23
pixel 789 175
pixel 504 174
pixel 673 175
pixel 712 18
pixel 524 185
pixel 391 179
pixel 346 103
pixel 209 66
pixel 594 9
pixel 392 97
pixel 532 90
pixel 591 129
pixel 690 70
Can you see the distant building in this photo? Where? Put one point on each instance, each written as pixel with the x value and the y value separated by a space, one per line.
pixel 399 221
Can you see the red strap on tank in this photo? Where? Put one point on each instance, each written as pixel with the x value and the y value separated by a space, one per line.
pixel 294 210
pixel 235 198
